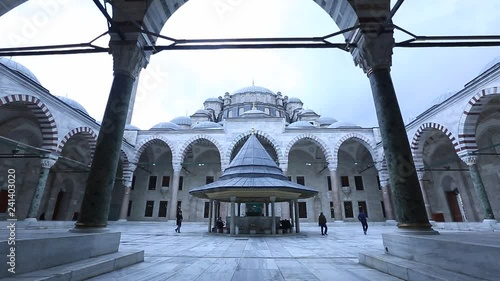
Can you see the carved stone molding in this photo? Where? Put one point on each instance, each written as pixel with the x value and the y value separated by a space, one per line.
pixel 420 175
pixel 128 58
pixel 47 163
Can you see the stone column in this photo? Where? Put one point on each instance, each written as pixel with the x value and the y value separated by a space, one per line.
pixel 239 209
pixel 296 206
pixel 386 197
pixel 215 212
pixel 210 215
pixel 292 217
pixel 128 60
pixel 126 197
pixel 285 211
pixel 175 190
pixel 374 54
pixel 46 164
pixel 471 161
pixel 424 195
pixel 337 203
pixel 232 229
pixel 273 215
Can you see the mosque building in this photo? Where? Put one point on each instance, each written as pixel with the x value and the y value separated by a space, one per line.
pixel 50 142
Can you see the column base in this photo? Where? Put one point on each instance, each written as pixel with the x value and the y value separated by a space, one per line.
pixel 416 229
pixel 490 221
pixel 338 221
pixel 122 220
pixel 89 230
pixel 30 220
pixel 391 222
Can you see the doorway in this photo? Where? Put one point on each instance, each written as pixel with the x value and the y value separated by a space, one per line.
pixel 451 197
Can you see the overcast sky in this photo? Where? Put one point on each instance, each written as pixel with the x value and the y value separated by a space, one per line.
pixel 326 80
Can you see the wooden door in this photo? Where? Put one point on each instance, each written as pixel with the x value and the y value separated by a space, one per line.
pixel 456 215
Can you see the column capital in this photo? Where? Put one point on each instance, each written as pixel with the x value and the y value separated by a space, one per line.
pixel 273 199
pixel 48 162
pixel 177 167
pixel 332 168
pixel 469 159
pixel 128 57
pixel 420 175
pixel 374 51
pixel 233 199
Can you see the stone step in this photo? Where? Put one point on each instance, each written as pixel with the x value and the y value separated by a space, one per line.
pixel 410 270
pixel 83 269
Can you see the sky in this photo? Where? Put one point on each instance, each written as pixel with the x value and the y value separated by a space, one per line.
pixel 176 83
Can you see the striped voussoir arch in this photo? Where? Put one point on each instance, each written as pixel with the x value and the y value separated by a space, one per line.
pixel 150 140
pixel 362 139
pixel 183 150
pixel 417 145
pixel 260 133
pixel 468 120
pixel 86 132
pixel 324 147
pixel 42 114
pixel 128 168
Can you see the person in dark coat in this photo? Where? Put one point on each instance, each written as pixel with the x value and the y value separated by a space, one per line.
pixel 362 219
pixel 322 223
pixel 179 220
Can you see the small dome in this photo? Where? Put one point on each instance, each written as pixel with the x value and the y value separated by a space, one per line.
pixel 131 127
pixel 182 121
pixel 254 113
pixel 19 68
pixel 441 98
pixel 207 125
pixel 295 100
pixel 74 104
pixel 300 125
pixel 343 124
pixel 166 125
pixel 490 64
pixel 213 100
pixel 307 112
pixel 202 112
pixel 325 120
pixel 254 89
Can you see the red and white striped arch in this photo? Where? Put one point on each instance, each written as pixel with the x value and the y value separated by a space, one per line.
pixel 468 120
pixel 45 119
pixel 417 144
pixel 86 132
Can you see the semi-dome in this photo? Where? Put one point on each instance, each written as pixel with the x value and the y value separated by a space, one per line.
pixel 307 112
pixel 326 121
pixel 207 125
pixel 295 100
pixel 19 68
pixel 254 113
pixel 213 100
pixel 182 121
pixel 166 125
pixel 300 125
pixel 490 64
pixel 344 124
pixel 202 112
pixel 131 127
pixel 74 104
pixel 253 89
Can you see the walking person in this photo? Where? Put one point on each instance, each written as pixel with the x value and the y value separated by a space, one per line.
pixel 179 220
pixel 322 223
pixel 362 219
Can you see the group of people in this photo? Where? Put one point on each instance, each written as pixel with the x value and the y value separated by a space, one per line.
pixel 361 217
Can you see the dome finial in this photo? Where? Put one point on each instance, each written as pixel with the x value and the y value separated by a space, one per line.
pixel 253 82
pixel 252 131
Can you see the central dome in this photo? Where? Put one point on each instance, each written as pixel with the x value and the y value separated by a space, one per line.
pixel 254 89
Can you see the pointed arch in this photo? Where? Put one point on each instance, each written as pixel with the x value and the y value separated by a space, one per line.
pixel 319 142
pixel 150 140
pixel 468 121
pixel 86 132
pixel 183 149
pixel 259 133
pixel 47 122
pixel 369 145
pixel 417 146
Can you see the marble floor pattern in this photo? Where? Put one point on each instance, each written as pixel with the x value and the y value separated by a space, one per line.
pixel 195 255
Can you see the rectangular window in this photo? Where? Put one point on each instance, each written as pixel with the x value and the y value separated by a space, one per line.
pixel 383 208
pixel 162 211
pixel 152 183
pixel 181 182
pixel 358 181
pixel 165 181
pixel 378 182
pixel 149 208
pixel 289 178
pixel 302 210
pixel 362 206
pixel 206 210
pixel 133 183
pixel 344 180
pixel 332 210
pixel 209 179
pixel 301 180
pixel 129 210
pixel 329 182
pixel 348 209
